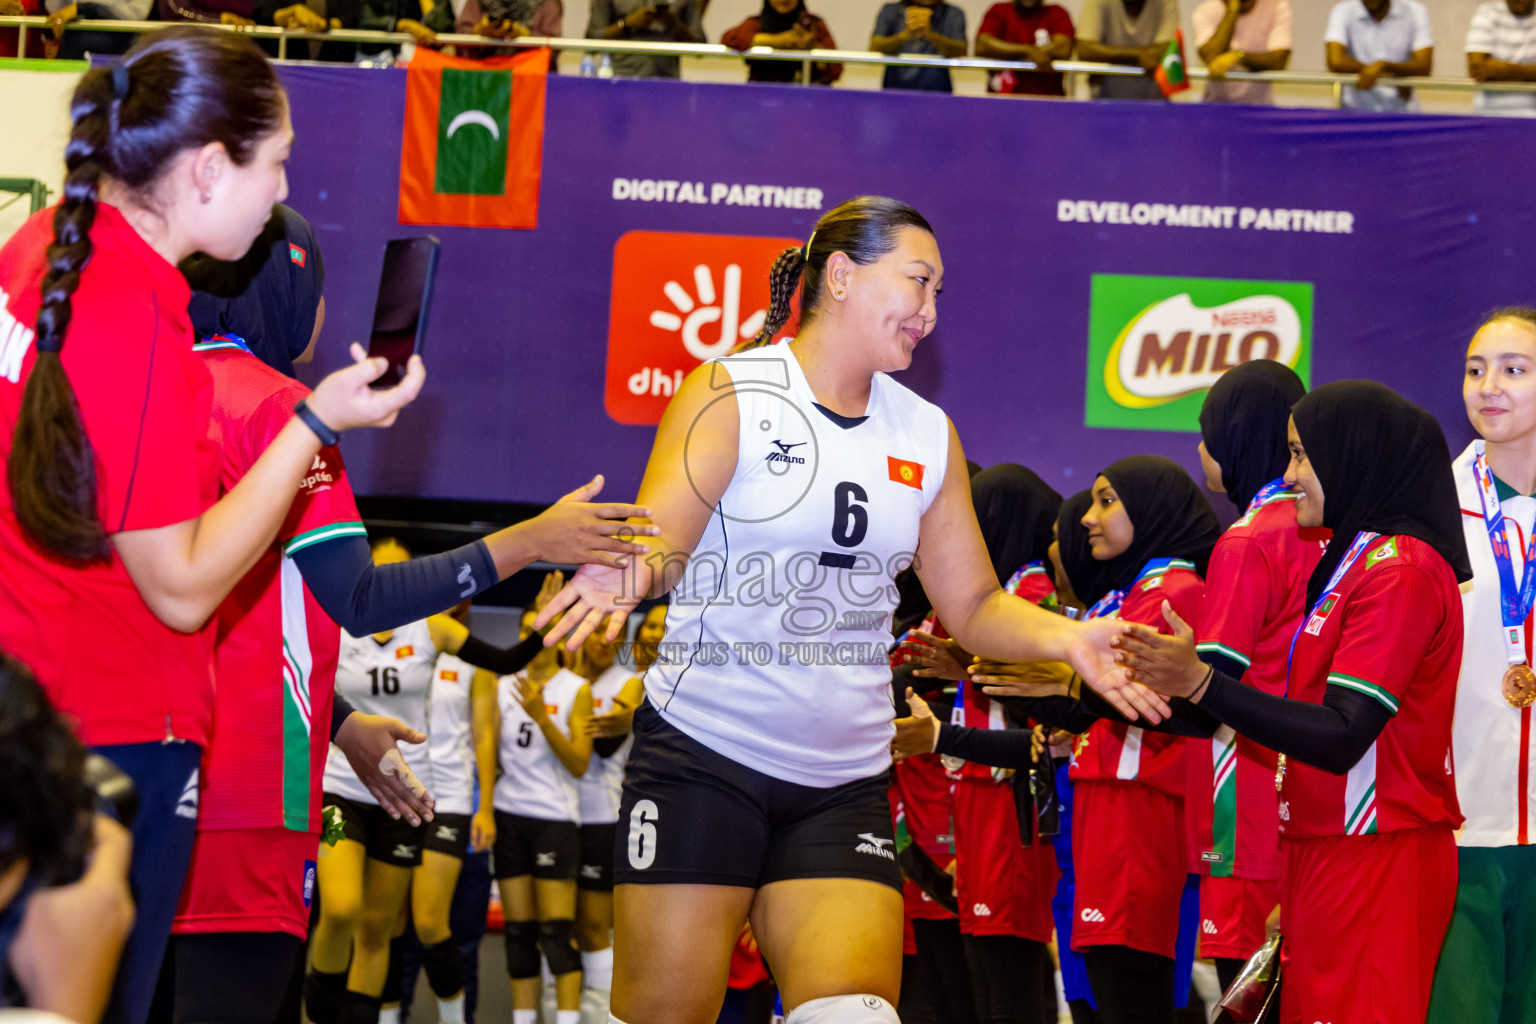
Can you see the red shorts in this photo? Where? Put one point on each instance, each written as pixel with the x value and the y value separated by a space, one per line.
pixel 1233 912
pixel 249 880
pixel 1005 887
pixel 1363 919
pixel 1128 852
pixel 918 905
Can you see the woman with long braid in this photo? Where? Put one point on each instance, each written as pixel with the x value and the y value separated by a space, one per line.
pixel 115 553
pixel 808 470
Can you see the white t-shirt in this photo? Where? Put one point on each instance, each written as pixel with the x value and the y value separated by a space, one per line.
pixel 777 636
pixel 449 746
pixel 533 783
pixel 1501 35
pixel 1394 39
pixel 393 679
pixel 1488 734
pixel 603 784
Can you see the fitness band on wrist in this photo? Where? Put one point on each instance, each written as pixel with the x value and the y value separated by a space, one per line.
pixel 326 435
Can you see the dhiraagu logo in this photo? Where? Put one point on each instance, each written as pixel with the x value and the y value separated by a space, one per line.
pixel 1157 344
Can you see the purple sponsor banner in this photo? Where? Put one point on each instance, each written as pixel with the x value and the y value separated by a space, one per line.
pixel 1419 225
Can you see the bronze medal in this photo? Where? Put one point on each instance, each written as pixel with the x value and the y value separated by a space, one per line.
pixel 1280 774
pixel 1520 686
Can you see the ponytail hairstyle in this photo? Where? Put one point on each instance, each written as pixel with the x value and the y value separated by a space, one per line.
pixel 864 229
pixel 176 89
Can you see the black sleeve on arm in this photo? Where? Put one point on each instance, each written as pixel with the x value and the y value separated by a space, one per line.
pixel 502 660
pixel 1057 712
pixel 340 709
pixel 1000 748
pixel 1333 735
pixel 1187 720
pixel 365 598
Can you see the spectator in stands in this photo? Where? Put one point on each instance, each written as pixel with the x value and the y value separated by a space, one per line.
pixel 1242 35
pixel 1126 32
pixel 784 25
pixel 1026 30
pixel 8 36
pixel 930 27
pixel 73 44
pixel 1379 39
pixel 1501 47
pixel 678 21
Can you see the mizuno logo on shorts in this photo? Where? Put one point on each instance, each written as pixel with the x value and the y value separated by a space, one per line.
pixel 403 851
pixel 1209 927
pixel 447 834
pixel 1091 916
pixel 981 910
pixel 873 844
pixel 545 860
pixel 591 871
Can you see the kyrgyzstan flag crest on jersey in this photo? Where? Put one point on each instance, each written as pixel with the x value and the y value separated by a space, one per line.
pixel 905 472
pixel 473 146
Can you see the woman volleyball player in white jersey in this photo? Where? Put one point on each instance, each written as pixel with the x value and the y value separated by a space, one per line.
pixel 790 484
pixel 544 748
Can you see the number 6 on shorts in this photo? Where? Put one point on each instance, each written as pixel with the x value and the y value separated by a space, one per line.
pixel 642 834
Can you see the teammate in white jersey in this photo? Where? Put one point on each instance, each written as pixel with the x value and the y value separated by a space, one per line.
pixel 364 878
pixel 616 693
pixel 790 484
pixel 544 747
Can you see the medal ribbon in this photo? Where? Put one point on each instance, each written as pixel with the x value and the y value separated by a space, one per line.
pixel 1363 540
pixel 1110 603
pixel 1268 493
pixel 1515 603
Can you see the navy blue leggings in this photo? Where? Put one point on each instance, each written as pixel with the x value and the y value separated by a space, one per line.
pixel 165 775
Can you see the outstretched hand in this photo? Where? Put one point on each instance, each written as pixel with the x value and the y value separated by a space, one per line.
pixel 940 658
pixel 1022 679
pixel 1167 664
pixel 1092 652
pixel 595 593
pixel 369 744
pixel 573 531
pixel 918 733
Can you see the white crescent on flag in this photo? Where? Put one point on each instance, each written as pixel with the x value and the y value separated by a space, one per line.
pixel 479 117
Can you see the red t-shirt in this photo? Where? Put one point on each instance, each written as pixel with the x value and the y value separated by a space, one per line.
pixel 1254 592
pixel 1116 750
pixel 1003 21
pixel 277 649
pixel 1394 634
pixel 145 400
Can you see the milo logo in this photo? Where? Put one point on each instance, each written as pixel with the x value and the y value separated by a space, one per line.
pixel 1156 344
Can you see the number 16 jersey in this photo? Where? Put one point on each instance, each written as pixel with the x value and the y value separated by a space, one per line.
pixel 393 679
pixel 776 653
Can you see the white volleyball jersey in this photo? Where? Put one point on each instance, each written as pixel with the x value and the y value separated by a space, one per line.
pixel 599 789
pixel 533 782
pixel 393 679
pixel 449 746
pixel 1488 736
pixel 777 635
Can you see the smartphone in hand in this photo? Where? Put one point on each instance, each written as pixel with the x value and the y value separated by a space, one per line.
pixel 405 299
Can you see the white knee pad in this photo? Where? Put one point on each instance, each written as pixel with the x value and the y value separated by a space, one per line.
pixel 854 1009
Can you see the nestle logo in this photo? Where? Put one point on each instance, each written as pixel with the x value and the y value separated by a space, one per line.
pixel 1245 318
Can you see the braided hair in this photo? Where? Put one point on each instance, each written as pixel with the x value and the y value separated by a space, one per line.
pixel 863 228
pixel 176 89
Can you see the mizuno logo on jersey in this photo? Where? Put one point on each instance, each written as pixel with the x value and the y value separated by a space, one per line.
pixel 782 455
pixel 404 851
pixel 544 860
pixel 981 910
pixel 447 834
pixel 1091 916
pixel 186 806
pixel 874 845
pixel 1209 927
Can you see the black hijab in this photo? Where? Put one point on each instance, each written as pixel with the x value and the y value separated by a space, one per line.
pixel 1015 510
pixel 1089 576
pixel 268 297
pixel 1169 512
pixel 1384 466
pixel 773 22
pixel 1243 425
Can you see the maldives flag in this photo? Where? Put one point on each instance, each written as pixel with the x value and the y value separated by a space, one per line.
pixel 473 146
pixel 1170 74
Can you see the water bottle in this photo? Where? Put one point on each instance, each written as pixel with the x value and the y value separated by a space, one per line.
pixel 606 70
pixel 588 68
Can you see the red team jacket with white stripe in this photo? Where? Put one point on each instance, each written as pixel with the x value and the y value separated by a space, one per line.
pixel 1394 634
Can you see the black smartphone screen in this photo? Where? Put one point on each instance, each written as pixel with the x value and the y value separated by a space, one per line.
pixel 405 297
